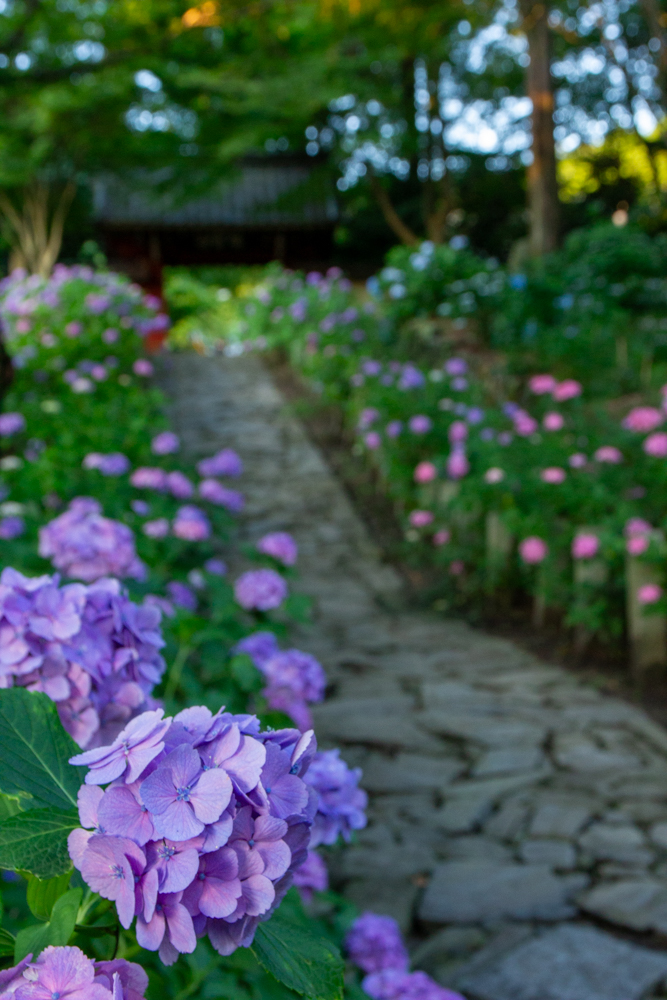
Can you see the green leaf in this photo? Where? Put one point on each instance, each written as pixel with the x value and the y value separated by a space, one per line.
pixel 7 943
pixel 245 673
pixel 57 931
pixel 43 893
pixel 36 842
pixel 10 805
pixel 34 750
pixel 303 961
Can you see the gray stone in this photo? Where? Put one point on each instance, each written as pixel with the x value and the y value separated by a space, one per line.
pixel 392 897
pixel 464 892
pixel 508 822
pixel 639 903
pixel 476 847
pixel 571 962
pixel 507 761
pixel 408 772
pixel 464 813
pixel 658 834
pixel 579 754
pixel 450 942
pixel 559 818
pixel 375 722
pixel 612 842
pixel 489 731
pixel 555 853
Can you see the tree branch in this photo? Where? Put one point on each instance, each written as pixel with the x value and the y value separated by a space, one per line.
pixel 391 216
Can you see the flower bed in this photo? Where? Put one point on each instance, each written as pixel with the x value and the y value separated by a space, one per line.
pixel 190 825
pixel 537 470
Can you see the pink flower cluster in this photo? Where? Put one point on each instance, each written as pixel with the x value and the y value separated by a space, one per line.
pixel 90 649
pixel 542 385
pixel 85 545
pixel 199 831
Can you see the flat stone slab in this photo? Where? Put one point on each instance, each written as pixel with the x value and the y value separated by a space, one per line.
pixel 409 772
pixel 639 903
pixel 571 962
pixel 468 892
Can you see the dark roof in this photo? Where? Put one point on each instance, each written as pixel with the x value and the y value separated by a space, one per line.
pixel 267 194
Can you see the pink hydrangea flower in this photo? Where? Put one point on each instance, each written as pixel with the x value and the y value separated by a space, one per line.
pixel 524 424
pixel 280 545
pixel 142 366
pixel 637 526
pixel 441 537
pixel 553 421
pixel 191 524
pixel 656 445
pixel 420 518
pixel 643 419
pixel 373 440
pixel 585 545
pixel 456 567
pixel 577 460
pixel 609 454
pixel 159 528
pixel 649 593
pixel 145 478
pixel 533 550
pixel 637 545
pixel 494 475
pixel 425 472
pixel 568 389
pixel 554 474
pixel 458 432
pixel 457 464
pixel 541 384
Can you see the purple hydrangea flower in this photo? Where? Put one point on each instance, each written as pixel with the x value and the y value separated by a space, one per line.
pixel 420 424
pixel 216 567
pixel 191 524
pixel 260 590
pixel 181 595
pixel 86 545
pixel 143 367
pixel 200 830
pixel 260 647
pixel 179 485
pixel 294 678
pixel 395 984
pixel 113 464
pixel 280 545
pixel 456 366
pixel 374 942
pixel 90 649
pixel 126 980
pixel 411 377
pixel 11 423
pixel 393 428
pixel 224 463
pixel 215 492
pixel 312 876
pixel 130 753
pixel 146 478
pixel 159 528
pixel 11 527
pixel 140 507
pixel 341 802
pixel 165 443
pixel 61 972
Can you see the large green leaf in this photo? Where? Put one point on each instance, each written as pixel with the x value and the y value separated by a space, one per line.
pixel 307 963
pixel 36 842
pixel 34 750
pixel 43 893
pixel 57 931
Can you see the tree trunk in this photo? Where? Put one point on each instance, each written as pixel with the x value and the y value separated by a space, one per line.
pixel 656 20
pixel 543 205
pixel 391 216
pixel 35 234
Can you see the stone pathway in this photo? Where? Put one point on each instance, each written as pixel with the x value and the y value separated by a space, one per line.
pixel 518 818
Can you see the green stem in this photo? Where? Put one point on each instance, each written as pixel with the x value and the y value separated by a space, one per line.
pixel 176 670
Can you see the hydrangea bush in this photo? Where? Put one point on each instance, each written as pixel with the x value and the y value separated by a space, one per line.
pixel 522 472
pixel 191 825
